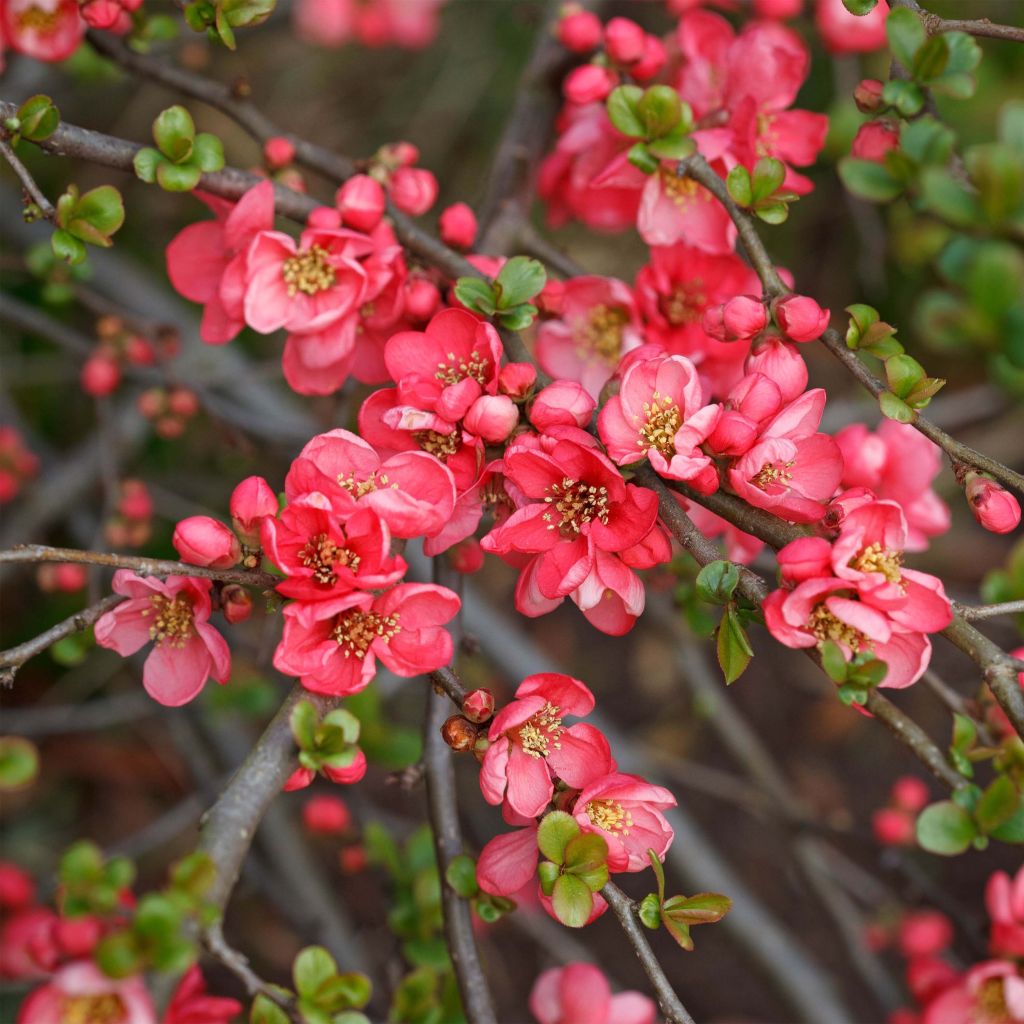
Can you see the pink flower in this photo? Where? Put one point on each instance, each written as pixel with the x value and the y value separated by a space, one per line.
pixel 780 362
pixel 191 1004
pixel 508 862
pixel 530 746
pixel 333 645
pixel 658 413
pixel 993 507
pixel 910 793
pixel 48 30
pixel 326 815
pixel 413 190
pixel 579 31
pixel 361 201
pixel 989 993
pixel 626 811
pixel 412 492
pixel 801 319
pixel 562 403
pixel 206 260
pixel 201 540
pixel 325 556
pixel 893 827
pixel 1004 899
pixel 874 139
pixel 791 470
pixel 174 614
pixel 407 23
pixel 580 994
pixel 81 991
pixel 739 319
pixel 457 224
pixel 252 501
pixel 843 32
pixel 597 326
pixel 492 418
pixel 676 209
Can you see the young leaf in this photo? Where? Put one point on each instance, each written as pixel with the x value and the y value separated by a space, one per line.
pixel 833 661
pixel 174 132
pixel 868 180
pixel 997 805
pixel 461 876
pixel 906 35
pixel 659 873
pixel 572 901
pixel 519 280
pixel 734 650
pixel 476 295
pixel 894 408
pixel 945 828
pixel 312 967
pixel 860 7
pixel 622 110
pixel 738 183
pixel 717 581
pixel 554 834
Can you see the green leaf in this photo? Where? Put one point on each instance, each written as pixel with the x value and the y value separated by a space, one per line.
pixel 146 162
pixel 39 118
pixel 945 196
pixel 906 97
pixel 556 830
pixel 927 141
pixel 659 873
pixel 833 661
pixel 772 213
pixel 704 908
pixel 717 581
pixel 680 932
pixel 572 901
pixel 586 856
pixel 81 864
pixel 931 59
pixel 660 110
pixel 312 967
pixel 768 176
pixel 348 723
pixel 548 872
pixel 945 828
pixel 957 80
pixel 868 180
pixel 519 280
pixel 344 991
pixel 207 153
pixel 903 374
pixel 247 13
pixel 894 408
pixel 303 722
pixel 476 295
pixel 734 650
pixel 519 317
pixel 906 35
pixel 178 177
pixel 266 1012
pixel 19 763
pixel 67 247
pixel 118 955
pixel 1011 830
pixel 102 208
pixel 649 911
pixel 998 804
pixel 860 7
pixel 622 110
pixel 740 186
pixel 461 876
pixel 672 147
pixel 174 132
pixel 641 157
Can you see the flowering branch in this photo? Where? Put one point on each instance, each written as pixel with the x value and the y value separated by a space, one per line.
pixel 27 181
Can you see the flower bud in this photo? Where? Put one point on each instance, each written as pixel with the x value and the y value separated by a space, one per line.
pixel 361 201
pixel 805 558
pixel 562 403
pixel 467 556
pixel 422 298
pixel 458 226
pixel 928 976
pixel 624 40
pixel 893 827
pixel 399 154
pixel 588 84
pixel 741 318
pixel 478 706
pixel 299 779
pixel 800 318
pixel 326 815
pixel 868 95
pixel 169 427
pixel 352 859
pixel 652 60
pixel 924 933
pixel 910 793
pixel 413 190
pixel 995 508
pixel 325 218
pixel 183 402
pixel 551 297
pixel 236 603
pixel 66 577
pixel 291 177
pixel 135 501
pixel 777 9
pixel 874 139
pixel 139 352
pixel 516 379
pixel 459 733
pixel 252 501
pixel 347 776
pixel 492 417
pixel 579 31
pixel 100 376
pixel 201 540
pixel 16 887
pixel 780 362
pixel 78 936
pixel 152 403
pixel 278 152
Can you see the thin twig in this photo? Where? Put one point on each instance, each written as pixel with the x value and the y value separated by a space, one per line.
pixel 972 613
pixel 982 27
pixel 27 181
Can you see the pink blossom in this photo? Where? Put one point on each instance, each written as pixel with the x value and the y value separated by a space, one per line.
pixel 780 9
pixel 413 190
pixel 28 944
pixel 739 319
pixel 597 326
pixel 924 933
pixel 781 362
pixel 909 793
pixel 407 23
pixel 751 403
pixel 517 379
pixel 492 418
pixel 991 505
pixel 893 827
pixel 1004 899
pixel 326 815
pixel 333 645
pixel 562 403
pixel 624 40
pixel 252 501
pixel 874 139
pixel 991 992
pixel 530 747
pixel 192 1004
pixel 110 15
pixel 412 492
pixel 580 994
pixel 800 318
pixel 457 225
pixel 843 32
pixel 659 413
pixel 82 990
pixel 651 61
pixel 508 862
pixel 579 31
pixel 52 37
pixel 361 201
pixel 675 209
pixel 627 812
pixel 201 540
pixel 174 613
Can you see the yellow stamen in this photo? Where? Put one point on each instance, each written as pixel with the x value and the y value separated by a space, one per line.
pixel 825 626
pixel 600 334
pixel 98 1009
pixel 875 558
pixel 456 369
pixel 663 421
pixel 172 624
pixel 308 271
pixel 576 503
pixel 541 731
pixel 610 815
pixel 354 631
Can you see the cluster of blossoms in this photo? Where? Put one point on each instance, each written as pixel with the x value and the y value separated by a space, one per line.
pixel 54 951
pixel 580 992
pixel 893 825
pixel 51 30
pixel 411 24
pixel 990 992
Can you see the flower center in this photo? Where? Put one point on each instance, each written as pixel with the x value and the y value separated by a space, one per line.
pixel 308 271
pixel 773 475
pixel 576 503
pixel 99 1009
pixel 992 1002
pixel 357 488
pixel 600 334
pixel 679 188
pixel 354 631
pixel 875 558
pixel 540 731
pixel 663 421
pixel 683 306
pixel 172 620
pixel 825 626
pixel 610 815
pixel 321 555
pixel 456 368
pixel 437 444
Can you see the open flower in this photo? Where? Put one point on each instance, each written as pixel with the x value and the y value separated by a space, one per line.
pixel 82 992
pixel 174 614
pixel 580 994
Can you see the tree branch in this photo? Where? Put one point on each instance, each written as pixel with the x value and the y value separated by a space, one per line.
pixel 981 27
pixel 972 613
pixel 28 182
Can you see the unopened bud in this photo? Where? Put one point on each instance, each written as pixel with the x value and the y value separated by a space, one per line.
pixel 459 733
pixel 478 706
pixel 995 508
pixel 868 95
pixel 236 603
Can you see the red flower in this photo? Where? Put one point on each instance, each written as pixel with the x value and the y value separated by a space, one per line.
pixel 191 1004
pixel 80 991
pixel 580 994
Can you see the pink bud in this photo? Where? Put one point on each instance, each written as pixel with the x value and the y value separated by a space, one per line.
pixel 995 508
pixel 299 779
pixel 458 226
pixel 236 603
pixel 466 557
pixel 252 501
pixel 352 859
pixel 516 379
pixel 361 201
pixel 780 362
pixel 325 218
pixel 183 402
pixel 924 933
pixel 16 887
pixel 562 403
pixel 651 61
pixel 78 936
pixel 868 95
pixel 624 40
pixel 152 403
pixel 588 83
pixel 139 352
pixel 874 139
pixel 135 502
pixel 413 190
pixel 170 427
pixel 326 815
pixel 800 318
pixel 399 154
pixel 893 827
pixel 778 9
pixel 278 152
pixel 805 559
pixel 66 577
pixel 422 298
pixel 100 376
pixel 492 417
pixel 478 706
pixel 201 540
pixel 551 297
pixel 741 318
pixel 579 31
pixel 910 793
pixel 346 776
pixel 928 976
